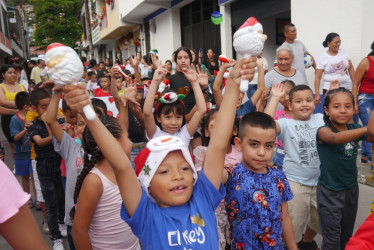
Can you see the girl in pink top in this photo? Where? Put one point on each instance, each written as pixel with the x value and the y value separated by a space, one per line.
pixel 17 224
pixel 233 156
pixel 97 222
pixel 284 113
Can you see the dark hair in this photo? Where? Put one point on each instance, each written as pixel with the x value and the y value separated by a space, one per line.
pixel 205 126
pixel 83 59
pixel 65 106
pixel 37 95
pixel 257 120
pixel 328 98
pixel 22 99
pixel 167 108
pixel 106 76
pixel 99 103
pixel 91 73
pixel 147 59
pixel 92 63
pixel 196 56
pixel 32 62
pixel 6 67
pixel 101 62
pixel 213 50
pixel 185 49
pixel 299 88
pixel 372 50
pixel 290 82
pixel 287 27
pixel 90 148
pixel 329 38
pixel 168 61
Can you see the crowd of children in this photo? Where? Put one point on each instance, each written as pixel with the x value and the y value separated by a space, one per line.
pixel 171 172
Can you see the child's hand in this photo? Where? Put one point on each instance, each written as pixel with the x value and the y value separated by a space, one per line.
pixel 259 63
pixel 115 71
pixel 277 90
pixel 159 74
pixel 135 61
pixel 130 96
pixel 202 76
pixel 231 63
pixel 28 123
pixel 265 96
pixel 68 128
pixel 76 97
pixel 190 73
pixel 244 69
pixel 155 61
pixel 335 84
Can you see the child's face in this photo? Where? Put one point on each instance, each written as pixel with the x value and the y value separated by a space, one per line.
pixel 94 78
pixel 172 183
pixel 183 60
pixel 340 109
pixel 101 66
pixel 302 105
pixel 257 147
pixel 119 83
pixel 81 125
pixel 71 116
pixel 286 98
pixel 31 87
pixel 43 106
pixel 170 123
pixel 104 83
pixel 239 103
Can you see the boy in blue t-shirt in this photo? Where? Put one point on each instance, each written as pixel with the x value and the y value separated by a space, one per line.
pixel 256 196
pixel 22 143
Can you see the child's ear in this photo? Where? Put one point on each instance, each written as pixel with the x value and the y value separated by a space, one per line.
pixel 326 111
pixel 158 119
pixel 238 143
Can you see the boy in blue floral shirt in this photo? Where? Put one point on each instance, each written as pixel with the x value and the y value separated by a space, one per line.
pixel 256 196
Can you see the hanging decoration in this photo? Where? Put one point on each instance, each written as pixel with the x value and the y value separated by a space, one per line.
pixel 216 17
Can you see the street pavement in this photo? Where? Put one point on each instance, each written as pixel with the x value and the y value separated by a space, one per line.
pixel 365 198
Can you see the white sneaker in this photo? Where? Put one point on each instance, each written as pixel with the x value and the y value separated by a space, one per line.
pixel 58 244
pixel 45 228
pixel 63 230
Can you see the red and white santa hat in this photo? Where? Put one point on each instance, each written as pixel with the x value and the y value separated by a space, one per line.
pixel 252 21
pixel 150 158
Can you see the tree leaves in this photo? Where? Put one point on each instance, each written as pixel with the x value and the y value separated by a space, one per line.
pixel 57 21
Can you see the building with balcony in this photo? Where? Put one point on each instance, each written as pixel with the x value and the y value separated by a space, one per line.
pixel 5 46
pixel 18 32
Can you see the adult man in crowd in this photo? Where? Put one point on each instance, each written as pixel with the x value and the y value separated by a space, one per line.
pixel 37 71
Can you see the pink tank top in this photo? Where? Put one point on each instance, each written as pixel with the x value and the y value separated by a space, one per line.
pixel 107 229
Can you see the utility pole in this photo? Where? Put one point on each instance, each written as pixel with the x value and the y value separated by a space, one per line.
pixel 89 33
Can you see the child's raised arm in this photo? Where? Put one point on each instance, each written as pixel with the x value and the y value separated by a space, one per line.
pixel 149 120
pixel 326 135
pixel 222 131
pixel 277 93
pixel 193 78
pixel 51 115
pixel 128 184
pixel 260 82
pixel 217 92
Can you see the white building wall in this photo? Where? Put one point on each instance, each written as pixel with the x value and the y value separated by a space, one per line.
pixel 167 37
pixel 352 20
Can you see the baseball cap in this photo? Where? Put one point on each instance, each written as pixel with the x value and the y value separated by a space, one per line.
pixel 150 158
pixel 41 57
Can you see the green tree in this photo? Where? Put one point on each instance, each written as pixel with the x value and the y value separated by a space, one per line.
pixel 57 21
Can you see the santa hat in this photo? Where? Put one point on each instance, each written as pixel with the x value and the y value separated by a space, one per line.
pixel 150 158
pixel 170 97
pixel 252 21
pixel 165 85
pixel 54 45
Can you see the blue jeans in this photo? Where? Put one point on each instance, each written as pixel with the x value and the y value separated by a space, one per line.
pixel 366 106
pixel 134 152
pixel 70 238
pixel 251 90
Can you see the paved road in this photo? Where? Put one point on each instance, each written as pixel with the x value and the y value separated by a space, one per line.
pixel 365 198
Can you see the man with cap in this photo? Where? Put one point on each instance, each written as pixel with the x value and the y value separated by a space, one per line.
pixel 38 70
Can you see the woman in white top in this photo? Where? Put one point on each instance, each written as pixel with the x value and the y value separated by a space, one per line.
pixel 335 65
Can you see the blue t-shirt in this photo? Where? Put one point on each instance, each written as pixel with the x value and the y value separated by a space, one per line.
pixel 254 205
pixel 22 148
pixel 301 163
pixel 190 226
pixel 245 108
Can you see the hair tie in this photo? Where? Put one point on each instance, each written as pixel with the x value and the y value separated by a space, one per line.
pixel 97 148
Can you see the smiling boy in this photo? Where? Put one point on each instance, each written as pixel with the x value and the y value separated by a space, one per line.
pixel 301 162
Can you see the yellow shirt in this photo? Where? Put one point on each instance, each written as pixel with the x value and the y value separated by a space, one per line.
pixel 35 74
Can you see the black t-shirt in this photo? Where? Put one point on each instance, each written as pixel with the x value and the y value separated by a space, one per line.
pixel 178 80
pixel 136 131
pixel 210 67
